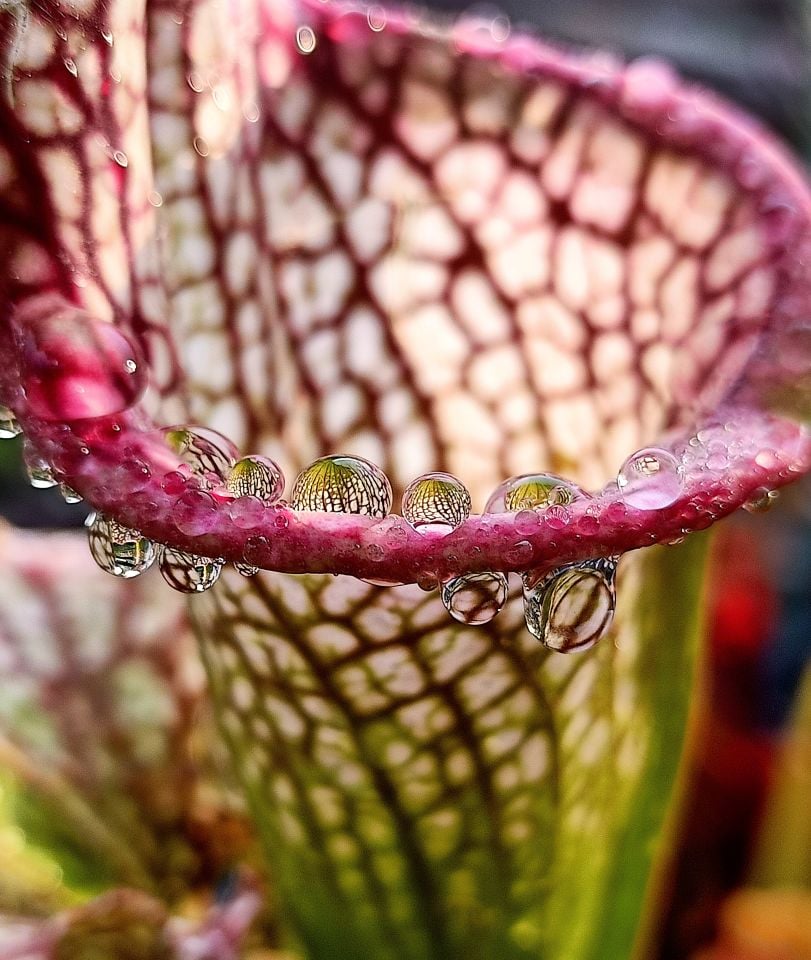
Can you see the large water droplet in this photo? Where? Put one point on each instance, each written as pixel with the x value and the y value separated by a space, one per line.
pixel 475 598
pixel 342 485
pixel 436 502
pixel 74 367
pixel 208 454
pixel 188 572
pixel 572 607
pixel 305 39
pixel 533 491
pixel 117 549
pixel 650 479
pixel 255 476
pixel 9 427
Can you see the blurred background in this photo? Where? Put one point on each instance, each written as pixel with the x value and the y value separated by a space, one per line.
pixel 746 820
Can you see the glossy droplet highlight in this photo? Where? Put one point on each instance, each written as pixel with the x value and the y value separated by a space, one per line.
pixel 475 598
pixel 255 476
pixel 342 485
pixel 572 607
pixel 9 427
pixel 650 479
pixel 533 491
pixel 40 474
pixel 305 39
pixel 117 549
pixel 74 367
pixel 188 572
pixel 209 455
pixel 436 502
pixel 69 495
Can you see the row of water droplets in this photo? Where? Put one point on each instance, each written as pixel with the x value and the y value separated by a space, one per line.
pixel 567 608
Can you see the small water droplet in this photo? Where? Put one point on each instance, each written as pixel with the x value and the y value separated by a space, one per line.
pixel 117 549
pixel 221 97
pixel 650 479
pixel 195 512
pixel 121 158
pixel 40 474
pixel 208 454
pixel 107 37
pixel 9 427
pixel 200 144
pixel 475 598
pixel 762 501
pixel 376 18
pixel 251 111
pixel 70 66
pixel 533 491
pixel 256 476
pixel 196 82
pixel 246 569
pixel 342 485
pixel 69 495
pixel 436 503
pixel 572 607
pixel 155 198
pixel 305 39
pixel 188 572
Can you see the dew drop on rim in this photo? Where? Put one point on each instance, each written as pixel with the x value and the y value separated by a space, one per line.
pixel 188 572
pixel 342 485
pixel 475 598
pixel 117 549
pixel 436 503
pixel 206 453
pixel 9 427
pixel 572 607
pixel 255 476
pixel 650 479
pixel 533 491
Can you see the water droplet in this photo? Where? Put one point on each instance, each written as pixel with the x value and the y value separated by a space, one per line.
pixel 188 572
pixel 195 81
pixel 436 502
pixel 200 144
pixel 195 512
pixel 155 198
pixel 70 66
pixel 650 479
pixel 255 476
pixel 762 501
pixel 251 111
pixel 9 427
pixel 117 549
pixel 69 495
pixel 120 158
pixel 376 18
pixel 533 491
pixel 572 607
pixel 209 455
pixel 40 474
pixel 107 37
pixel 305 39
pixel 74 367
pixel 247 570
pixel 475 598
pixel 342 485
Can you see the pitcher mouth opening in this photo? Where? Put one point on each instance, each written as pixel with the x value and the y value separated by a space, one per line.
pixel 79 404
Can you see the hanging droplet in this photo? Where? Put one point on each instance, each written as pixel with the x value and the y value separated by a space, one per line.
pixel 69 495
pixel 436 503
pixel 74 367
pixel 533 491
pixel 342 485
pixel 117 549
pixel 572 607
pixel 255 476
pixel 762 501
pixel 246 569
pixel 9 427
pixel 209 455
pixel 188 572
pixel 475 598
pixel 650 479
pixel 40 474
pixel 70 66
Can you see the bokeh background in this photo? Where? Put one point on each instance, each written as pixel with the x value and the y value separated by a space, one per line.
pixel 747 819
